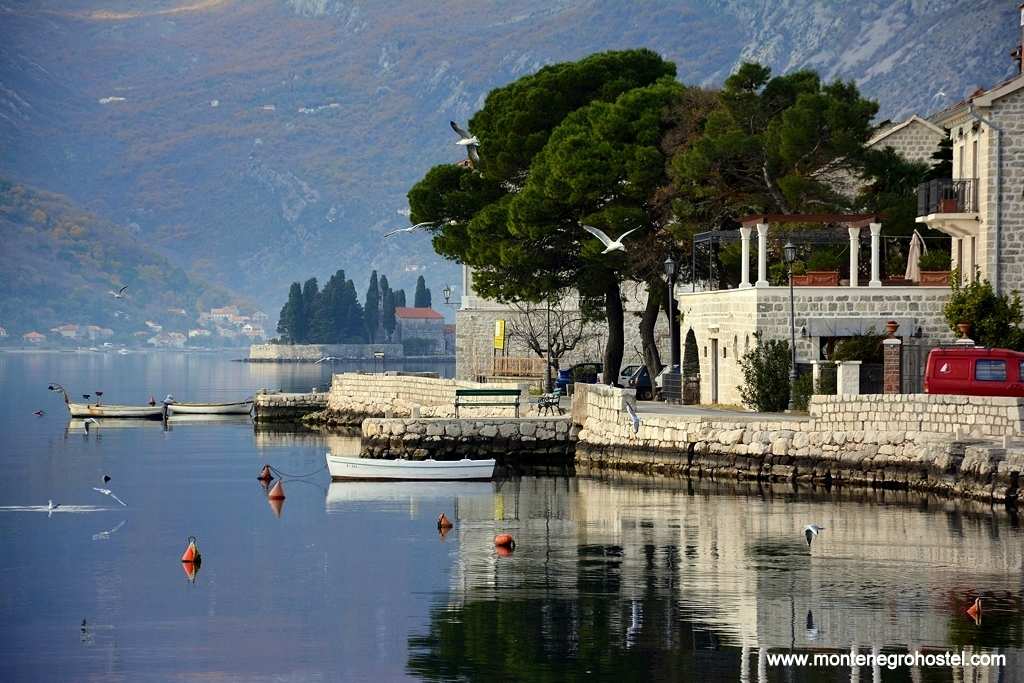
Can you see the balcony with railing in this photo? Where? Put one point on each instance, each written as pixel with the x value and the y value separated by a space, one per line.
pixel 947 196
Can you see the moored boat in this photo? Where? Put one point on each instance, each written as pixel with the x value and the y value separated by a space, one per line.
pixel 103 410
pixel 379 469
pixel 231 408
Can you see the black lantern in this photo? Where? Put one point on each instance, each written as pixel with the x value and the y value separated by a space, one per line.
pixel 447 293
pixel 789 253
pixel 670 267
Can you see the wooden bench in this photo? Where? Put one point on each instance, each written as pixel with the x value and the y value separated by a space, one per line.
pixel 487 397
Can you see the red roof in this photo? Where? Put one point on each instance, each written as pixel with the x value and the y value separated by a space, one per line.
pixel 421 313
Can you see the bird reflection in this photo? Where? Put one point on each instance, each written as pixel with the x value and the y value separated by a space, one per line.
pixel 105 535
pixel 812 629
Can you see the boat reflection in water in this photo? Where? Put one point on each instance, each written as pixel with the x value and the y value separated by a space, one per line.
pixel 667 581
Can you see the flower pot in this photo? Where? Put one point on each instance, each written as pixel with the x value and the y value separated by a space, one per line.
pixel 890 328
pixel 965 329
pixel 949 205
pixel 817 278
pixel 897 282
pixel 934 278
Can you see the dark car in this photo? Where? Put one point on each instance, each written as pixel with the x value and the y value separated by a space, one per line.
pixel 641 382
pixel 584 373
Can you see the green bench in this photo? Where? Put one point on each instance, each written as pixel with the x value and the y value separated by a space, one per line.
pixel 486 397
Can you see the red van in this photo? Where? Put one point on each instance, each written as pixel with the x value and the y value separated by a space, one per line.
pixel 974 371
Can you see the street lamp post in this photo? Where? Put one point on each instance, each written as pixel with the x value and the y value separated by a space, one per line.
pixel 447 294
pixel 672 388
pixel 547 344
pixel 789 256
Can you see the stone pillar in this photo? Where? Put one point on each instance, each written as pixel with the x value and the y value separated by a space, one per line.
pixel 954 252
pixel 854 254
pixel 876 240
pixel 745 257
pixel 465 286
pixel 967 272
pixel 762 255
pixel 815 375
pixel 848 377
pixel 892 366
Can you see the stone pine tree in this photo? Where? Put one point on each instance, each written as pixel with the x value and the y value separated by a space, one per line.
pixel 387 313
pixel 421 298
pixel 371 309
pixel 292 323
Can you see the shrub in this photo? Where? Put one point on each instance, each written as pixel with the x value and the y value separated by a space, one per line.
pixel 765 370
pixel 935 260
pixel 803 388
pixel 995 318
pixel 865 347
pixel 825 259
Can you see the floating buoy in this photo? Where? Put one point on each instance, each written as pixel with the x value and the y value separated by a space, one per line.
pixel 276 493
pixel 265 474
pixel 190 569
pixel 276 504
pixel 443 531
pixel 974 611
pixel 504 541
pixel 191 553
pixel 443 522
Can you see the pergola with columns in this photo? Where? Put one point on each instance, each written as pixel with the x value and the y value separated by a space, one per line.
pixel 854 223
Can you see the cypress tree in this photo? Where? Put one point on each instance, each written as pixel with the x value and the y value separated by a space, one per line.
pixel 421 299
pixel 400 299
pixel 388 309
pixel 371 309
pixel 353 327
pixel 291 325
pixel 310 294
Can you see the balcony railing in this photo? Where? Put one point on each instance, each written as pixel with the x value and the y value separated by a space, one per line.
pixel 946 195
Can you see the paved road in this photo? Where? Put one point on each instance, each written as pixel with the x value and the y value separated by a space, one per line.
pixel 659 408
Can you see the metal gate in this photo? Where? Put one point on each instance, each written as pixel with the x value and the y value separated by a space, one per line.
pixel 915 357
pixel 871 378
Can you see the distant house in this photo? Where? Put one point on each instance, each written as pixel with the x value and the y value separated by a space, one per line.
pixel 3 332
pixel 260 318
pixel 198 332
pixel 420 330
pixel 34 337
pixel 223 313
pixel 156 327
pixel 67 330
pixel 254 331
pixel 177 311
pixel 97 332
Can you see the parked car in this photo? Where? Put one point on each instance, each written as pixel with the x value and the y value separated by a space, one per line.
pixel 626 373
pixel 584 373
pixel 974 371
pixel 641 382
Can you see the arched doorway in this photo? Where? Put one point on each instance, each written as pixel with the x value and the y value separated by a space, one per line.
pixel 691 369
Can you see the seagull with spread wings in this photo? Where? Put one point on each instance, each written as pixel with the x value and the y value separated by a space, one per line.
pixel 414 228
pixel 609 243
pixel 108 492
pixel 468 141
pixel 119 294
pixel 811 532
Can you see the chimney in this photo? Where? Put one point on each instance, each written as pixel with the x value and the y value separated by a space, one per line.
pixel 1018 52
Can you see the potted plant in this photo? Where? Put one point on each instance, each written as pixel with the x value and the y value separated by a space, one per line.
pixel 822 269
pixel 934 267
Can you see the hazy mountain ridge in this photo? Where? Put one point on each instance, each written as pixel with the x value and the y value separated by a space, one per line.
pixel 258 142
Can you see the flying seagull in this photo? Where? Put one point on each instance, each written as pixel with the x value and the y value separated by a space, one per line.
pixel 633 417
pixel 468 141
pixel 119 294
pixel 326 359
pixel 414 228
pixel 90 421
pixel 811 532
pixel 609 244
pixel 108 492
pixel 39 413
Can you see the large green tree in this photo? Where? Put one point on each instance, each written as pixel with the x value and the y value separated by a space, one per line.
pixel 292 323
pixel 421 297
pixel 371 309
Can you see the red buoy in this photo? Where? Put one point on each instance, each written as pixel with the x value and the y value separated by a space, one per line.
pixel 504 541
pixel 974 611
pixel 276 493
pixel 191 553
pixel 265 474
pixel 443 522
pixel 190 569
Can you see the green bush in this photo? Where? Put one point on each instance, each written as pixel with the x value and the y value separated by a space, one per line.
pixel 803 388
pixel 778 273
pixel 765 370
pixel 865 347
pixel 935 260
pixel 825 259
pixel 995 318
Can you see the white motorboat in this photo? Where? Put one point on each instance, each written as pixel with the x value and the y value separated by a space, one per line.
pixel 380 469
pixel 232 408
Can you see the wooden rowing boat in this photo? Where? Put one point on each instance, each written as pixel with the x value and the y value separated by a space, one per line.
pixel 379 469
pixel 231 408
pixel 104 410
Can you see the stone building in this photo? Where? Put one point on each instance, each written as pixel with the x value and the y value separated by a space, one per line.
pixel 915 139
pixel 420 331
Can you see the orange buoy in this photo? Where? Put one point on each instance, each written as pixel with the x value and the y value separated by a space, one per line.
pixel 276 493
pixel 443 531
pixel 504 541
pixel 443 522
pixel 276 504
pixel 191 553
pixel 974 611
pixel 190 569
pixel 265 474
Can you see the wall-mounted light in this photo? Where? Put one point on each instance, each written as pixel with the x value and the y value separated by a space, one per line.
pixel 918 333
pixel 803 332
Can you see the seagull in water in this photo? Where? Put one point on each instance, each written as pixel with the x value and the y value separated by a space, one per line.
pixel 90 421
pixel 106 478
pixel 609 243
pixel 633 417
pixel 108 492
pixel 50 508
pixel 811 532
pixel 414 228
pixel 119 294
pixel 468 141
pixel 39 413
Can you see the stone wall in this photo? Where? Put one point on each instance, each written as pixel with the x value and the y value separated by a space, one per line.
pixel 829 447
pixel 1008 113
pixel 915 142
pixel 513 442
pixel 354 397
pixel 314 352
pixel 731 318
pixel 286 407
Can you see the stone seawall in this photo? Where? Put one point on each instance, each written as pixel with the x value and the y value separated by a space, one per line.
pixel 282 407
pixel 512 441
pixel 305 353
pixel 832 446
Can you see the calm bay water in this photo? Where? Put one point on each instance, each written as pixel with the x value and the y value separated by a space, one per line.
pixel 624 579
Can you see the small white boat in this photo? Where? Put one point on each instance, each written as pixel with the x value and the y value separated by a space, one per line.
pixel 232 408
pixel 380 469
pixel 103 410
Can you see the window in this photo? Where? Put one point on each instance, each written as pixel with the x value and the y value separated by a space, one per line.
pixel 990 370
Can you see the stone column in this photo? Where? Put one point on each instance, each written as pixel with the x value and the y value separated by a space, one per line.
pixel 954 252
pixel 892 366
pixel 967 272
pixel 848 377
pixel 762 255
pixel 745 257
pixel 854 254
pixel 815 375
pixel 465 286
pixel 876 240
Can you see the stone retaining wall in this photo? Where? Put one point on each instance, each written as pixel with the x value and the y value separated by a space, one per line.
pixel 911 453
pixel 314 352
pixel 282 407
pixel 522 441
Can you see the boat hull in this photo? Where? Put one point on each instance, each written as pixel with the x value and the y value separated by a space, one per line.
pixel 237 408
pixel 135 412
pixel 378 469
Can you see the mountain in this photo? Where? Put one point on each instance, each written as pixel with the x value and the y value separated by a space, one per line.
pixel 256 142
pixel 59 263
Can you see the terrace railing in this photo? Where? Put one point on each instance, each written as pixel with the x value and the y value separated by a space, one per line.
pixel 513 366
pixel 946 195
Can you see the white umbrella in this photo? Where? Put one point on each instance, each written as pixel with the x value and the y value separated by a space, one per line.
pixel 917 248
